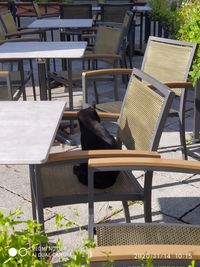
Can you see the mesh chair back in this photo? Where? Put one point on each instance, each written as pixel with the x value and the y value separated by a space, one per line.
pixel 8 22
pixel 79 11
pixel 37 9
pixel 2 33
pixel 114 12
pixel 148 233
pixel 142 115
pixel 168 60
pixel 108 40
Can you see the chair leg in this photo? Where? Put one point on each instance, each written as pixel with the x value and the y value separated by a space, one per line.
pixel 147 196
pixel 182 123
pixel 126 211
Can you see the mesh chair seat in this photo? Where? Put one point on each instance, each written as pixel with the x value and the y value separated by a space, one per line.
pixel 154 233
pixel 15 77
pixel 67 184
pixel 16 93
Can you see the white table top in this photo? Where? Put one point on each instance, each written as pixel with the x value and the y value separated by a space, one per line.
pixel 61 23
pixel 27 130
pixel 16 50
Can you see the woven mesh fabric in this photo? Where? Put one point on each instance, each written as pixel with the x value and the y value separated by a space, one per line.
pixel 107 40
pixel 76 11
pixel 135 234
pixel 139 116
pixel 114 107
pixel 114 13
pixel 9 22
pixel 66 183
pixel 167 62
pixel 37 9
pixel 2 34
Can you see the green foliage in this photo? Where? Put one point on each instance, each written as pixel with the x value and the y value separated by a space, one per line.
pixel 25 241
pixel 188 17
pixel 165 12
pixel 32 247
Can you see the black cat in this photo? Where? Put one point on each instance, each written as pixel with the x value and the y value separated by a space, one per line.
pixel 95 136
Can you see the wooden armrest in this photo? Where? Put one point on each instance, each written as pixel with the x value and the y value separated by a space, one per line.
pixel 146 164
pixel 102 115
pixel 106 71
pixel 24 32
pixel 24 39
pixel 177 84
pixel 108 115
pixel 70 114
pixel 101 56
pixel 88 154
pixel 137 252
pixel 4 73
pixel 174 84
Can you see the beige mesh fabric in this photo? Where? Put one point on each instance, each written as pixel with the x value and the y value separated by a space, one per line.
pixel 9 22
pixel 107 40
pixel 37 9
pixel 138 234
pixel 67 184
pixel 113 107
pixel 139 115
pixel 167 62
pixel 76 11
pixel 2 34
pixel 115 13
pixel 4 95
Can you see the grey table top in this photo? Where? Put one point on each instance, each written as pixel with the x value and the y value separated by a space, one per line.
pixel 61 23
pixel 27 130
pixel 17 50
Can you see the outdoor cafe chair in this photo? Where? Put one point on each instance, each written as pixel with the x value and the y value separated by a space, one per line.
pixel 140 126
pixel 118 234
pixel 129 244
pixel 168 61
pixel 107 49
pixel 114 12
pixel 16 78
pixel 11 29
pixel 74 11
pixel 39 14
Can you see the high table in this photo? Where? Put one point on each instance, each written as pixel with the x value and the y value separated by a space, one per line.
pixel 42 51
pixel 27 132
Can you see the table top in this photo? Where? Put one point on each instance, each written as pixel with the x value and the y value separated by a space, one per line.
pixel 61 23
pixel 27 130
pixel 17 50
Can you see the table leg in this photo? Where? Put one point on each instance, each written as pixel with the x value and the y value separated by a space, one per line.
pixel 33 197
pixel 42 78
pixel 69 69
pixel 196 112
pixel 36 194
